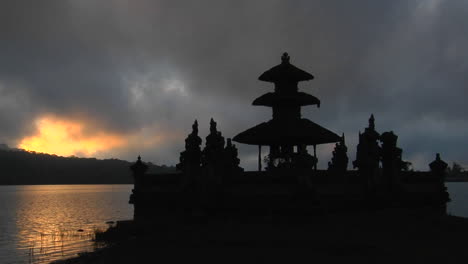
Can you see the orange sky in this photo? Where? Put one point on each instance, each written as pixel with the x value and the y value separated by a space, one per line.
pixel 76 137
pixel 63 137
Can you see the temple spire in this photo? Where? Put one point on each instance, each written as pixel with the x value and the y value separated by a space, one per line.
pixel 213 128
pixel 285 58
pixel 195 128
pixel 372 122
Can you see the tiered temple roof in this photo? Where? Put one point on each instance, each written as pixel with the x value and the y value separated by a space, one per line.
pixel 286 128
pixel 285 72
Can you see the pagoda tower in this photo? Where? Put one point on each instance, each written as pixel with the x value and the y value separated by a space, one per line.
pixel 287 129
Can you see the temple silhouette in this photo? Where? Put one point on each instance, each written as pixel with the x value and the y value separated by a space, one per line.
pixel 210 182
pixel 287 130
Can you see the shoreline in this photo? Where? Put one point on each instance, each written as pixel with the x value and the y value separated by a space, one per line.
pixel 446 180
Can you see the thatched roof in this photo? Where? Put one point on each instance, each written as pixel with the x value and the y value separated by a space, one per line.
pixel 296 99
pixel 285 72
pixel 294 132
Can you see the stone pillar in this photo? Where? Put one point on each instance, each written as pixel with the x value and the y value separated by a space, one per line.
pixel 259 157
pixel 190 166
pixel 438 169
pixel 213 168
pixel 138 169
pixel 367 160
pixel 391 163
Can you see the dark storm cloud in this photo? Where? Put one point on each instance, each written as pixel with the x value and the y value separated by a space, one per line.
pixel 129 65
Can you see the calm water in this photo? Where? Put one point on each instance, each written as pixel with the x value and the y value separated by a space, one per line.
pixel 42 223
pixel 459 195
pixel 39 224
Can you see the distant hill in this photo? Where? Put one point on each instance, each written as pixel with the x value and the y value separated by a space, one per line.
pixel 22 167
pixel 4 147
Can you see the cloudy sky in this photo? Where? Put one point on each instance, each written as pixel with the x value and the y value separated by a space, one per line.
pixel 121 78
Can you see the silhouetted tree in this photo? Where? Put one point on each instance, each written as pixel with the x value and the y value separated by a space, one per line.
pixel 456 171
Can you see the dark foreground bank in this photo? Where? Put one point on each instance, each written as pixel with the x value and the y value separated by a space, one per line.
pixel 379 237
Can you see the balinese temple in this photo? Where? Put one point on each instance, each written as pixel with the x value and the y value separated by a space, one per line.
pixel 287 129
pixel 209 182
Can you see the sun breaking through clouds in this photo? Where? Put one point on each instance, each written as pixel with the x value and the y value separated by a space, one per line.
pixel 65 136
pixel 69 137
pixel 144 70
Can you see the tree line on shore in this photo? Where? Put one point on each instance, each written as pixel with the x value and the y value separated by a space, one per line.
pixel 19 167
pixel 457 172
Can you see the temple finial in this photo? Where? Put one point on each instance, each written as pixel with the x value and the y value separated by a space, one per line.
pixel 139 158
pixel 285 58
pixel 195 127
pixel 213 126
pixel 372 122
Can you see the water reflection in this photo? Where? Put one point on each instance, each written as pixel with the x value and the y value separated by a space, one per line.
pixel 459 195
pixel 53 222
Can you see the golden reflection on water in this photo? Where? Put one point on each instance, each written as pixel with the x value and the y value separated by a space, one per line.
pixel 58 221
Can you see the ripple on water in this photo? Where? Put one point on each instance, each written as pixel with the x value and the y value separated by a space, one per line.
pixel 40 223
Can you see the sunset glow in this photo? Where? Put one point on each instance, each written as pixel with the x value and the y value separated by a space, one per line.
pixel 66 137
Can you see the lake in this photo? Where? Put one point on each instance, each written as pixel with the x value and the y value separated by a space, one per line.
pixel 42 223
